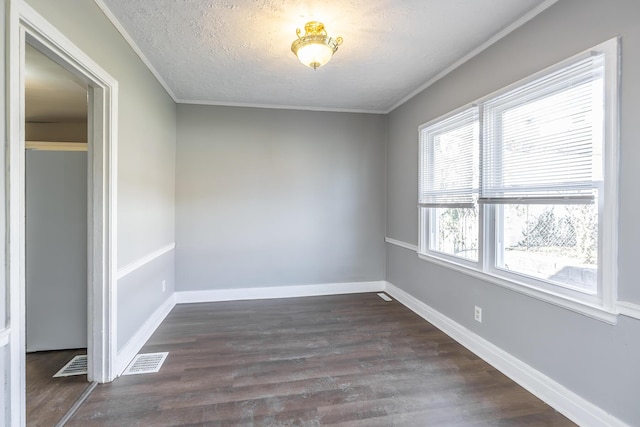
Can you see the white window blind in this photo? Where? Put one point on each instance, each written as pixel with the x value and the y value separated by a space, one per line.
pixel 542 142
pixel 449 158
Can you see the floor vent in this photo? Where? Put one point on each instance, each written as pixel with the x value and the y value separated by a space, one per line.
pixel 146 363
pixel 76 366
pixel 384 296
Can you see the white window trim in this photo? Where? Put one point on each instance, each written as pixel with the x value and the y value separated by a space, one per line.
pixel 605 308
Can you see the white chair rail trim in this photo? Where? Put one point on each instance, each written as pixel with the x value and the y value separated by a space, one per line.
pixel 133 266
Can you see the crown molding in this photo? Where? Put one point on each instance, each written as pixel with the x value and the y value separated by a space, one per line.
pixel 503 33
pixel 112 18
pixel 279 107
pixel 500 35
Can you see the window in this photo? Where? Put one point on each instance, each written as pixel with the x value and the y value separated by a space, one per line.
pixel 521 186
pixel 449 184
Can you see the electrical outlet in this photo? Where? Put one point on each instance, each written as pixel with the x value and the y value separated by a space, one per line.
pixel 164 285
pixel 477 313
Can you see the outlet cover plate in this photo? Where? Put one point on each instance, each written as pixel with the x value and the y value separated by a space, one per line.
pixel 477 314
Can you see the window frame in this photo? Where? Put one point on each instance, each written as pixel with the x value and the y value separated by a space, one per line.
pixel 429 235
pixel 427 220
pixel 601 306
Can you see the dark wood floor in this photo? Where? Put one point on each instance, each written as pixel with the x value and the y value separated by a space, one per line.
pixel 48 398
pixel 351 360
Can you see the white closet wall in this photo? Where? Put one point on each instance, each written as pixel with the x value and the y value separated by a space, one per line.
pixel 56 247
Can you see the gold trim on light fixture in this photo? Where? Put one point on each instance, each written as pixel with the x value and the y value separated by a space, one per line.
pixel 315 48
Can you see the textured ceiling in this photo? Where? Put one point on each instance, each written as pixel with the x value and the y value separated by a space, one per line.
pixel 237 52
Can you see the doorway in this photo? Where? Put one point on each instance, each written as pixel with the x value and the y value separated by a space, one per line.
pixel 56 117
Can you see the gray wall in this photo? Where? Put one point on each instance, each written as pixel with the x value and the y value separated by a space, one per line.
pixel 146 153
pixel 56 246
pixel 278 197
pixel 595 360
pixel 142 288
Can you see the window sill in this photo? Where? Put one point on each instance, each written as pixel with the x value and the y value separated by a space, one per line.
pixel 577 306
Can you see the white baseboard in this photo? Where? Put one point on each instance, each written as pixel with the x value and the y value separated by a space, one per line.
pixel 138 340
pixel 553 393
pixel 183 297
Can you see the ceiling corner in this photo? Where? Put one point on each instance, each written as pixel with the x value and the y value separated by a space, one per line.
pixel 114 21
pixel 494 39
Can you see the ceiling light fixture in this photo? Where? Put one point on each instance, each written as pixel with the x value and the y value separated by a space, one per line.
pixel 315 48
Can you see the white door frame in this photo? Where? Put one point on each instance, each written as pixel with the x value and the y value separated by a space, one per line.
pixel 26 25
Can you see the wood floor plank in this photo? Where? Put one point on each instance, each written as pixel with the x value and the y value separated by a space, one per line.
pixel 48 398
pixel 348 360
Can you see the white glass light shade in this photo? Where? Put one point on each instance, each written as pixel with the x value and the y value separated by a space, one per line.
pixel 315 55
